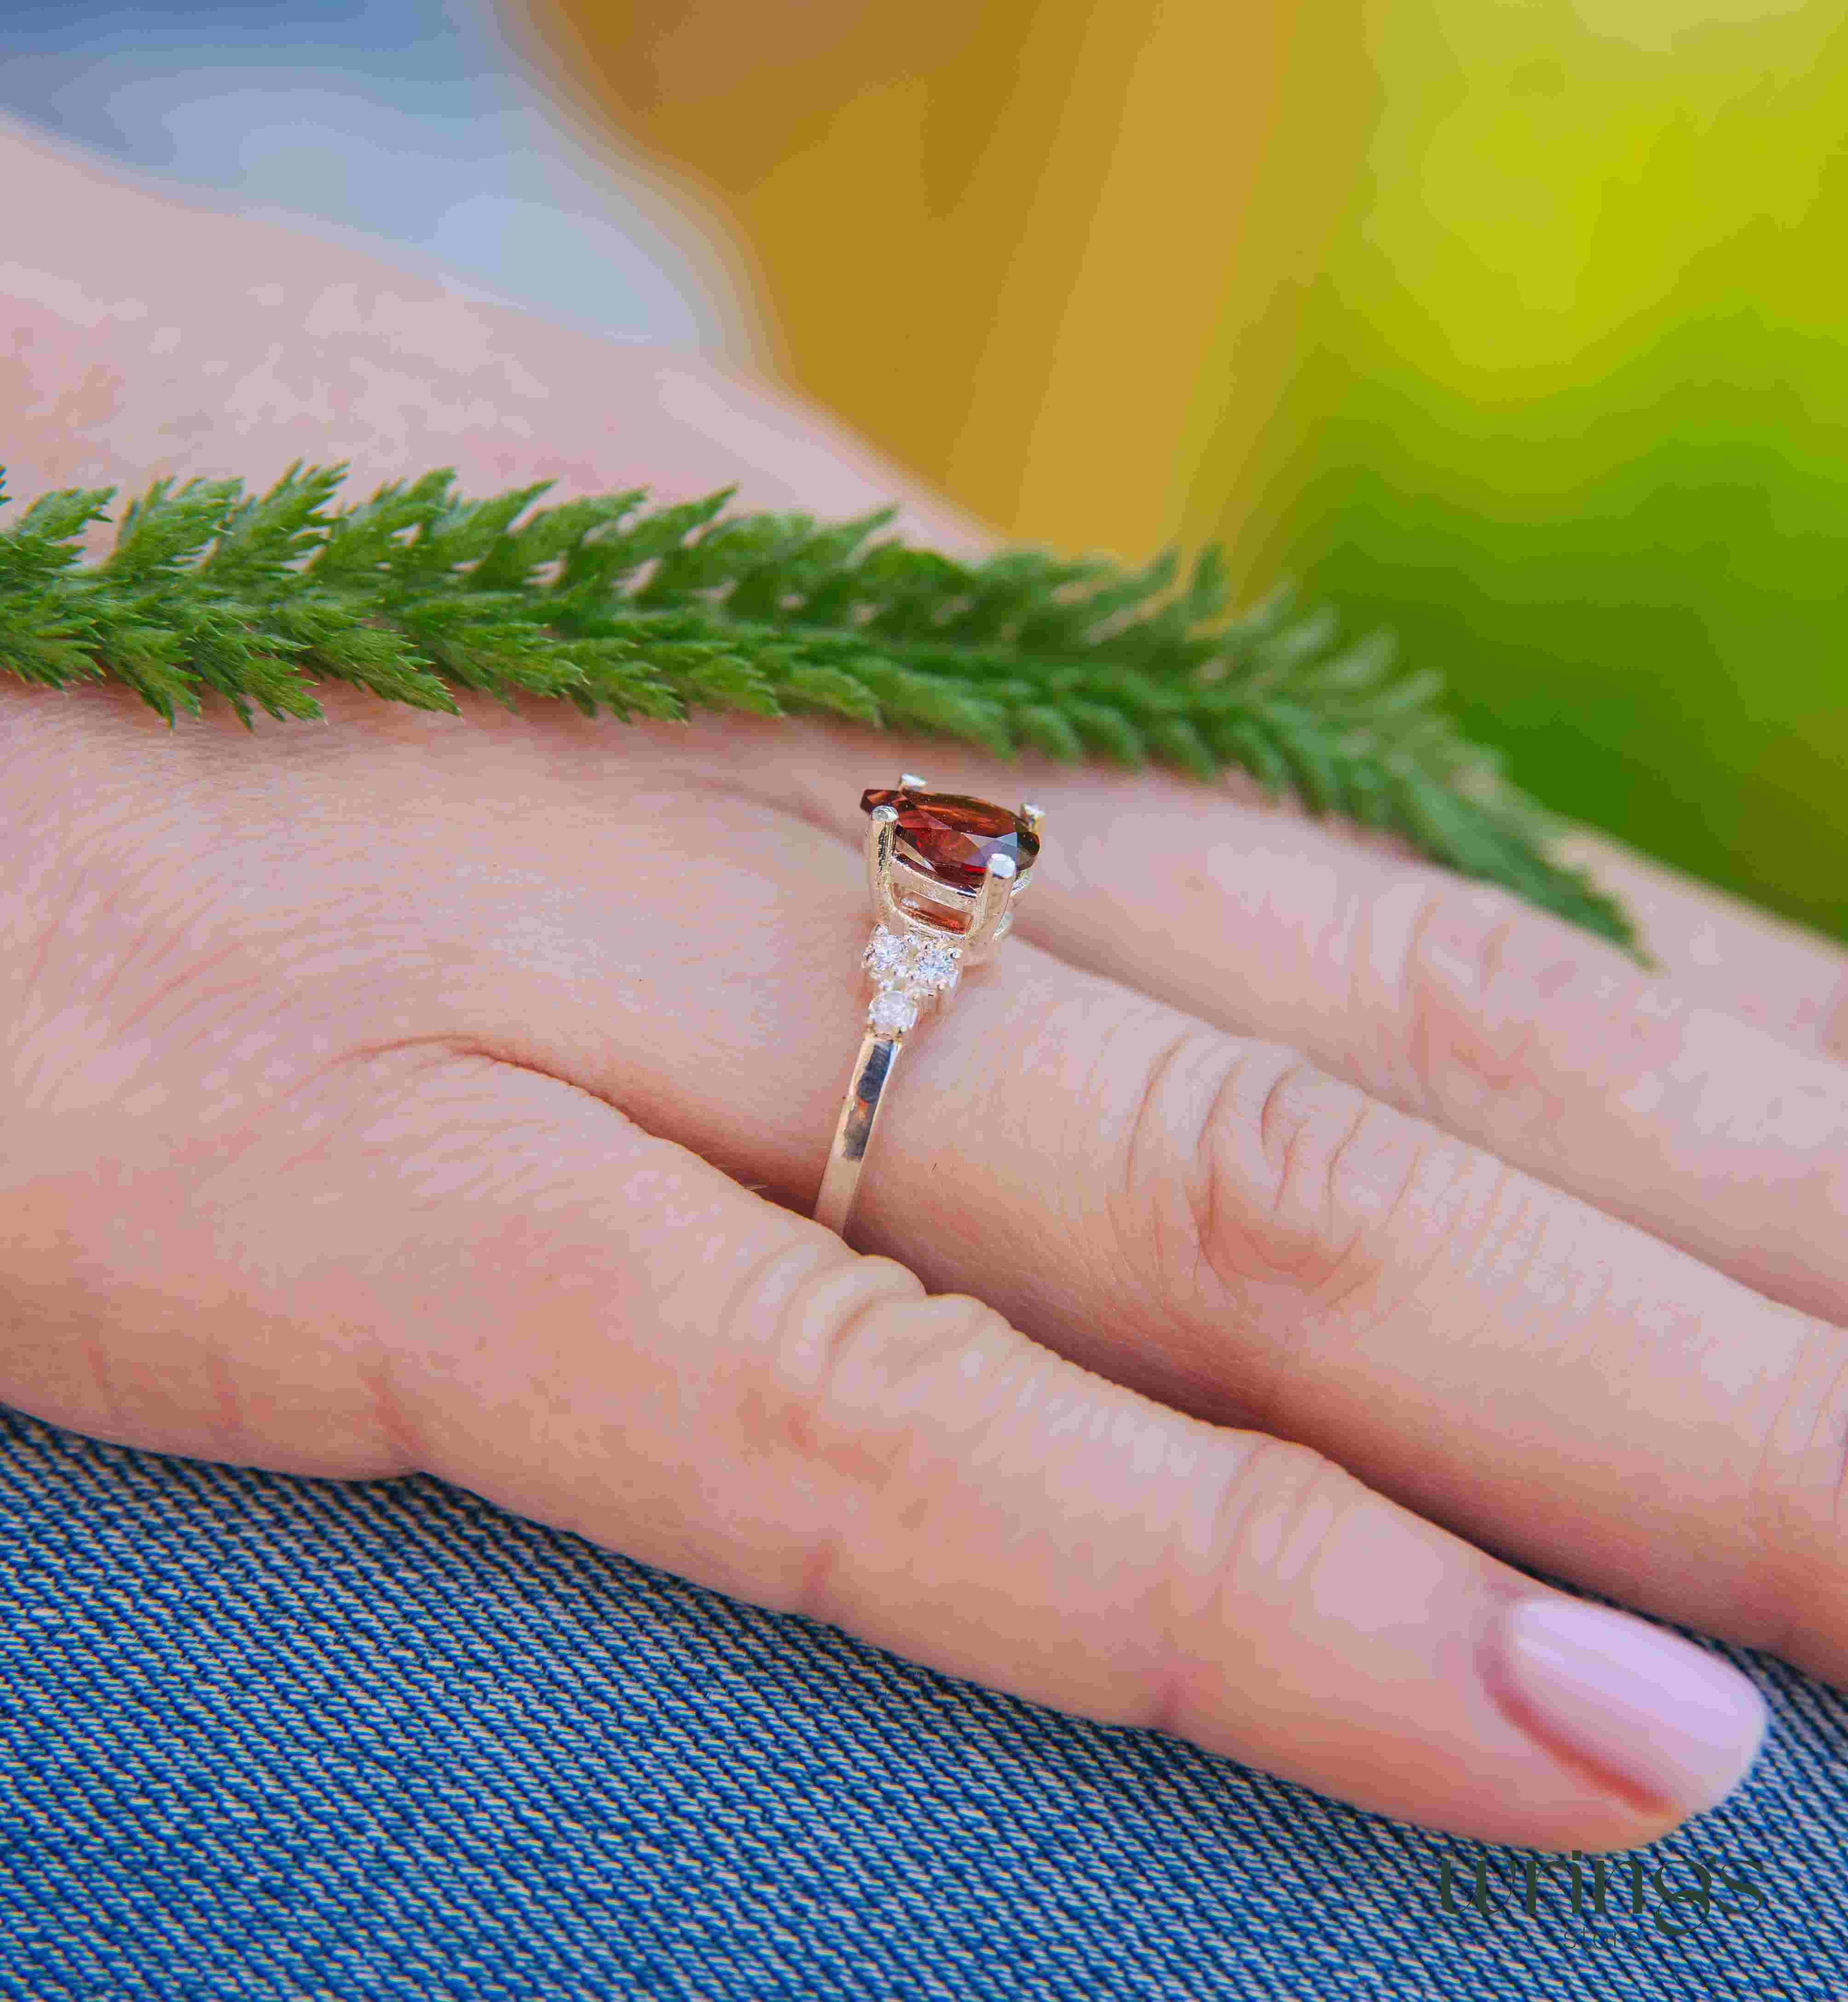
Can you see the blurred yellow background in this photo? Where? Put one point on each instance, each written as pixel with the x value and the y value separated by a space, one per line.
pixel 1519 326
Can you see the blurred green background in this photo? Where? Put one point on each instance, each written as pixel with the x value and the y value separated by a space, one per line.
pixel 1521 325
pixel 1574 414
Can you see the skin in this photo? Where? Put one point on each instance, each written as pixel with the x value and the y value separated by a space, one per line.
pixel 1276 1230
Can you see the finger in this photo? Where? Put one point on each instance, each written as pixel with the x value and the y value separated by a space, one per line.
pixel 1718 950
pixel 366 1256
pixel 610 1335
pixel 1455 1002
pixel 1203 1217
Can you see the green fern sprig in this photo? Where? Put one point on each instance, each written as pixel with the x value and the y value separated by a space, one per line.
pixel 644 610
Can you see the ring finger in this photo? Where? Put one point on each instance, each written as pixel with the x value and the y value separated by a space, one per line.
pixel 1204 1217
pixel 1450 1000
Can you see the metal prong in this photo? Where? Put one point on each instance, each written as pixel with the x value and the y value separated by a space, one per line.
pixel 911 782
pixel 882 842
pixel 1033 816
pixel 991 903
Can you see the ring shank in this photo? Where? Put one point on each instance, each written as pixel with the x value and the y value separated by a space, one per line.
pixel 853 1131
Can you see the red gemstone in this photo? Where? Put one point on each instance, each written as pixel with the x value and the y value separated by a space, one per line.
pixel 952 835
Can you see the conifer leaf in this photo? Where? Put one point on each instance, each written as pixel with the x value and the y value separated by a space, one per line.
pixel 829 689
pixel 1177 742
pixel 633 611
pixel 1106 731
pixel 1049 731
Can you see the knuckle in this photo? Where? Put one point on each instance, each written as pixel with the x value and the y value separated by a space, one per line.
pixel 1466 989
pixel 1248 1167
pixel 1159 1206
pixel 1275 1506
pixel 864 1341
pixel 1267 1512
pixel 858 1376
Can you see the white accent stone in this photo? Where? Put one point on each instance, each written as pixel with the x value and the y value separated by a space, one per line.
pixel 892 1012
pixel 936 965
pixel 887 951
pixel 911 961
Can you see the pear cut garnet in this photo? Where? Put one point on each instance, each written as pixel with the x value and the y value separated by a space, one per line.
pixel 952 836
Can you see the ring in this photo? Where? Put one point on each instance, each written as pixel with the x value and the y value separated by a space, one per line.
pixel 944 870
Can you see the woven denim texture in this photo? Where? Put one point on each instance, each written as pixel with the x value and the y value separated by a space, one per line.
pixel 276 1738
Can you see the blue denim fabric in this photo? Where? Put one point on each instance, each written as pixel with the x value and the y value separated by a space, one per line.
pixel 295 1739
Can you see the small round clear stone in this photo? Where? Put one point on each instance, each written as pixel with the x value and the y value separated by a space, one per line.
pixel 892 1011
pixel 888 951
pixel 935 966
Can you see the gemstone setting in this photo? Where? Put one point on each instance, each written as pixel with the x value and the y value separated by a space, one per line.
pixel 951 836
pixel 909 971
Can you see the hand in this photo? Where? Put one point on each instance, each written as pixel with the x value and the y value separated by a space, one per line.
pixel 449 1093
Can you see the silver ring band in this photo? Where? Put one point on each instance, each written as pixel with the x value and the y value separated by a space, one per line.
pixel 853 1131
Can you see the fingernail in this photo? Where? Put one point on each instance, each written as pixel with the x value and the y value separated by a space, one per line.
pixel 1649 1707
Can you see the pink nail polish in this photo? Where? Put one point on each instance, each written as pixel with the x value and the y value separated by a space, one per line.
pixel 1651 1709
